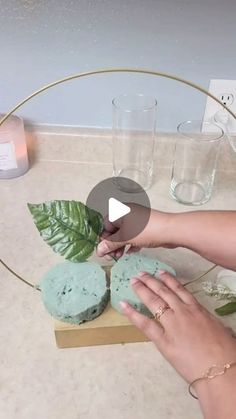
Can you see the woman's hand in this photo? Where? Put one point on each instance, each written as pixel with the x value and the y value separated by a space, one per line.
pixel 188 336
pixel 155 234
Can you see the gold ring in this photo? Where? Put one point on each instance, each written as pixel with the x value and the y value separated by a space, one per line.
pixel 161 310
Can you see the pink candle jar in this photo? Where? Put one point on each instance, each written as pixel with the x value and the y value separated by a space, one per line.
pixel 13 150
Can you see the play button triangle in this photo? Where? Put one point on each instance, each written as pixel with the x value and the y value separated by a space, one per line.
pixel 117 209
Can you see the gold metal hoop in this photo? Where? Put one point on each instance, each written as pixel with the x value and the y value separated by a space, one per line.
pixel 116 70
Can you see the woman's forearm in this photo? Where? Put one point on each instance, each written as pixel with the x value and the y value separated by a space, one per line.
pixel 212 234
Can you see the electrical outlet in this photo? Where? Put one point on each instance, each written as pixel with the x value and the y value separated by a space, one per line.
pixel 225 91
pixel 227 99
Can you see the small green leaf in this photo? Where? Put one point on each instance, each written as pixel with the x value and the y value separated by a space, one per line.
pixel 226 309
pixel 69 227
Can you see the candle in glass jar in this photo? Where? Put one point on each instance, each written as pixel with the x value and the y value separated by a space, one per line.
pixel 13 149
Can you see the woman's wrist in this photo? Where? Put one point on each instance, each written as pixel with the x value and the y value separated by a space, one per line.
pixel 216 390
pixel 217 396
pixel 168 229
pixel 183 229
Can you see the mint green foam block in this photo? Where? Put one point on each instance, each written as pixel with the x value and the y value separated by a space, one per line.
pixel 126 268
pixel 75 292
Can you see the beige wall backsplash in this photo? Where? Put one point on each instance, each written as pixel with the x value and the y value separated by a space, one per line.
pixel 74 144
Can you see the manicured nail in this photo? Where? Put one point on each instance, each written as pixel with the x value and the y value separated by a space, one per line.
pixel 123 304
pixel 102 248
pixel 161 272
pixel 134 280
pixel 141 274
pixel 108 257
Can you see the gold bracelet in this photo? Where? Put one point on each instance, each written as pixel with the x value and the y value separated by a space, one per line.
pixel 212 372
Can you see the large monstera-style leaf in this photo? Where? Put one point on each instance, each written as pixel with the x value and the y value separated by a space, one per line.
pixel 69 227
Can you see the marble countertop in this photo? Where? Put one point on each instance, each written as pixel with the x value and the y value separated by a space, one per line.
pixel 37 380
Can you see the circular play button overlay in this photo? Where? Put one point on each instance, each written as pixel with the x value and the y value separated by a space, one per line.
pixel 120 199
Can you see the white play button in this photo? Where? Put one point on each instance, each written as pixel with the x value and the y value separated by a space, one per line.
pixel 116 209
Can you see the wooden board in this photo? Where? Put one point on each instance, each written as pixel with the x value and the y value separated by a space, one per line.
pixel 109 328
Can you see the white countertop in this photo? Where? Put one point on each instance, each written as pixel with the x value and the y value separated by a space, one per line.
pixel 37 380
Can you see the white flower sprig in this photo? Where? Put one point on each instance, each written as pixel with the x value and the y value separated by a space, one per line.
pixel 224 288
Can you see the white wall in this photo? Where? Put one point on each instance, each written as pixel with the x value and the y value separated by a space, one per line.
pixel 42 40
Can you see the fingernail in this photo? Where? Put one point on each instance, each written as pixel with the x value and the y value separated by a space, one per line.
pixel 102 248
pixel 161 272
pixel 108 257
pixel 141 274
pixel 123 304
pixel 134 280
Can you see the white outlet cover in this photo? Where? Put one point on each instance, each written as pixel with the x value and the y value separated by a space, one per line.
pixel 219 87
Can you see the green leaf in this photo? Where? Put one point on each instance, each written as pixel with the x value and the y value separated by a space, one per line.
pixel 226 309
pixel 69 227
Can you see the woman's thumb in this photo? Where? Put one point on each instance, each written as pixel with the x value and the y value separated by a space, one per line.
pixel 107 246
